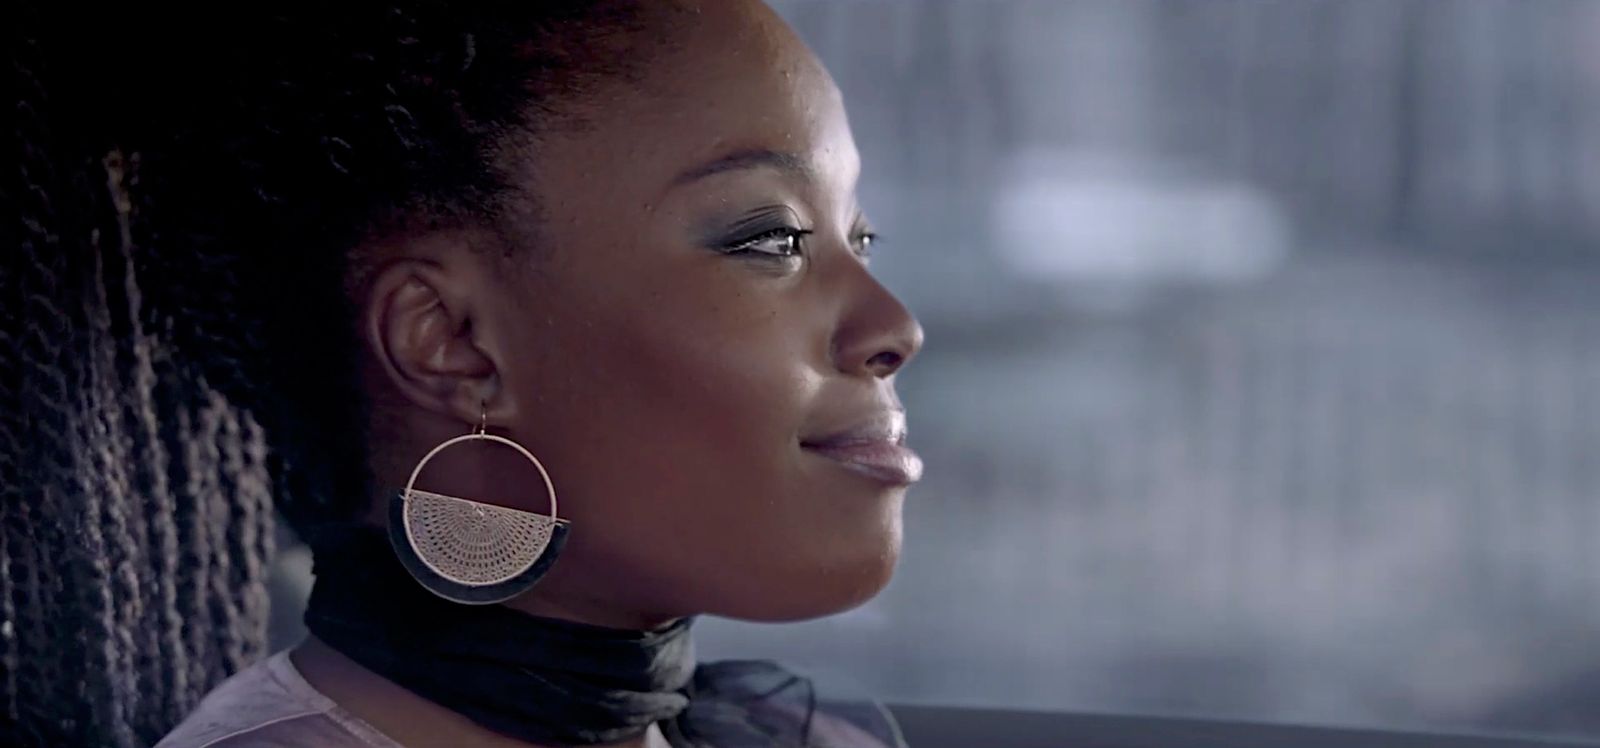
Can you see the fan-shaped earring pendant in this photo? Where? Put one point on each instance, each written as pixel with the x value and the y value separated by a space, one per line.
pixel 470 552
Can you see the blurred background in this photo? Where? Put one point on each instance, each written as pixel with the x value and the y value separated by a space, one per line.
pixel 1263 365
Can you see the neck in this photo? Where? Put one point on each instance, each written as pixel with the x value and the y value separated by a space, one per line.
pixel 550 600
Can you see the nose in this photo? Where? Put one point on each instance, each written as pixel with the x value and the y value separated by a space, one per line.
pixel 879 335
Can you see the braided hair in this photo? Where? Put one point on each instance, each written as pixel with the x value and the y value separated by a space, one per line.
pixel 176 356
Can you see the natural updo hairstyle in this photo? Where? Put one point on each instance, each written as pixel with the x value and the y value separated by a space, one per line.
pixel 177 359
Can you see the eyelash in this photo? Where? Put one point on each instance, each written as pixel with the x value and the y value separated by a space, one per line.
pixel 745 247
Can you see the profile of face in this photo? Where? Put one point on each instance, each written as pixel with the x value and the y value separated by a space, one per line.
pixel 691 342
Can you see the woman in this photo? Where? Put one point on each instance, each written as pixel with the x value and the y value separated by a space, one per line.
pixel 620 238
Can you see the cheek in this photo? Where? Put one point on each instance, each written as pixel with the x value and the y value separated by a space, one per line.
pixel 674 431
pixel 715 393
pixel 678 411
pixel 708 370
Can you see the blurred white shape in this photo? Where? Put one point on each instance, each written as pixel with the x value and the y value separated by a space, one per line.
pixel 1083 219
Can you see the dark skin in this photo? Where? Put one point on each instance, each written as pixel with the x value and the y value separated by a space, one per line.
pixel 668 349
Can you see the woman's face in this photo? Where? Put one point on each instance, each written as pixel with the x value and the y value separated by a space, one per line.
pixel 696 348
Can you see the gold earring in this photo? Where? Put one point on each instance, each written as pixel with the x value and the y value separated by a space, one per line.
pixel 468 551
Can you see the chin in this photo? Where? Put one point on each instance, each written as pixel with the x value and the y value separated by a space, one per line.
pixel 822 589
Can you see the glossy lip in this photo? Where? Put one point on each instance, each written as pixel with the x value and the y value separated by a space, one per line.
pixel 880 426
pixel 874 447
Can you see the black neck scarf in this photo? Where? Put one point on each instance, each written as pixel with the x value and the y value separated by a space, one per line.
pixel 553 682
pixel 538 679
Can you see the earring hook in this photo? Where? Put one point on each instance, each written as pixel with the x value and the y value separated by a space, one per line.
pixel 483 418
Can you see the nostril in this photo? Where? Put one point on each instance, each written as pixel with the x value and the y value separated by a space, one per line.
pixel 885 363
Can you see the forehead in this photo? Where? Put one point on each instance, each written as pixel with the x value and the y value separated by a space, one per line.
pixel 732 77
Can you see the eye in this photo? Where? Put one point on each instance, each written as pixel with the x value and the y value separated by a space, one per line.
pixel 778 243
pixel 864 243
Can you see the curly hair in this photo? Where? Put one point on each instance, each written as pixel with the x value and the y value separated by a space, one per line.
pixel 176 356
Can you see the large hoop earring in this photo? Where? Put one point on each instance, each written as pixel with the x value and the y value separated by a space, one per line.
pixel 467 551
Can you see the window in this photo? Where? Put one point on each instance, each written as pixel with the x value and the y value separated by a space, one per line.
pixel 1263 375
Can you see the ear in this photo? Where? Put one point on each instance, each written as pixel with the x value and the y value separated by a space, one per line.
pixel 418 320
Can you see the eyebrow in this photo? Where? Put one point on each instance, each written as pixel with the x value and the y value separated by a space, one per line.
pixel 753 158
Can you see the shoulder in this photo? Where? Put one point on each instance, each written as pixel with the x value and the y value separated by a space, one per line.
pixel 268 705
pixel 289 731
pixel 858 723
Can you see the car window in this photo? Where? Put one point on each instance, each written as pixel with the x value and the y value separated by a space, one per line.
pixel 1263 367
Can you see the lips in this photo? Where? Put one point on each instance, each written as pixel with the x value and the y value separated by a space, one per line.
pixel 884 462
pixel 873 447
